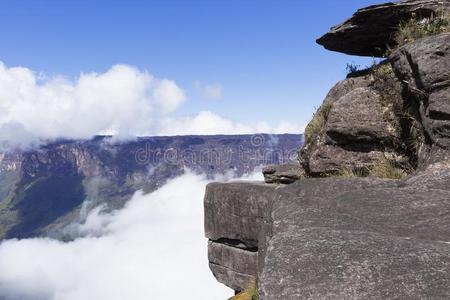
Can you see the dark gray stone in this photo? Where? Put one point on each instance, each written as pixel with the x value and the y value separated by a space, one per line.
pixel 357 239
pixel 234 267
pixel 424 69
pixel 319 263
pixel 283 174
pixel 234 214
pixel 370 30
pixel 355 133
pixel 234 280
pixel 358 117
pixel 235 210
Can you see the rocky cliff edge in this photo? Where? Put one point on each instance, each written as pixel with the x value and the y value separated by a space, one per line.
pixel 366 213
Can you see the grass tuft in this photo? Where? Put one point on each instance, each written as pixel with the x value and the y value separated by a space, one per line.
pixel 349 172
pixel 387 169
pixel 418 27
pixel 382 169
pixel 317 123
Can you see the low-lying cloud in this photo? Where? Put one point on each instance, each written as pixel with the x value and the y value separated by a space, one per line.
pixel 152 249
pixel 123 101
pixel 206 122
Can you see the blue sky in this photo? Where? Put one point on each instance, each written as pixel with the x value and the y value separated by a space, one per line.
pixel 261 53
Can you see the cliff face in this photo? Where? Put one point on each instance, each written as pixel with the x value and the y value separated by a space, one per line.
pixel 43 190
pixel 375 224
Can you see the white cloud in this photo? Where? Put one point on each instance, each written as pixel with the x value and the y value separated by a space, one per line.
pixel 122 100
pixel 209 91
pixel 152 249
pixel 207 122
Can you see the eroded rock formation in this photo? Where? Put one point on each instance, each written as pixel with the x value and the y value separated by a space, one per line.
pixel 356 126
pixel 360 237
pixel 424 69
pixel 234 213
pixel 370 31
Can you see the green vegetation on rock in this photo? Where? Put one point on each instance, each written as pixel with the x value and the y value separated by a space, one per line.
pixel 387 169
pixel 316 125
pixel 418 27
pixel 384 168
pixel 8 181
pixel 388 87
pixel 251 293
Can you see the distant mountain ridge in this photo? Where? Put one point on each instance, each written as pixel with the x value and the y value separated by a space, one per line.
pixel 42 190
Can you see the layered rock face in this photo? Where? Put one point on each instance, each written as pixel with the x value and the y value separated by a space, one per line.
pixel 357 237
pixel 424 69
pixel 43 190
pixel 234 213
pixel 370 30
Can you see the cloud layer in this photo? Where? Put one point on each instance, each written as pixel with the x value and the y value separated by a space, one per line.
pixel 123 100
pixel 152 249
pixel 206 122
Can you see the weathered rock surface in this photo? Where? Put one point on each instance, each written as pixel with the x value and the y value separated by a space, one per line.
pixel 352 129
pixel 424 69
pixel 356 238
pixel 284 174
pixel 359 238
pixel 235 210
pixel 370 30
pixel 327 264
pixel 231 265
pixel 233 218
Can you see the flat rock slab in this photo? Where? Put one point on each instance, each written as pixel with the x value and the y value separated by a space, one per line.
pixel 361 238
pixel 370 30
pixel 319 263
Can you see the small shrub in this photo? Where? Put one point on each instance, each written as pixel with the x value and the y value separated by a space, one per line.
pixel 352 68
pixel 251 293
pixel 317 123
pixel 349 172
pixel 418 27
pixel 382 169
pixel 387 169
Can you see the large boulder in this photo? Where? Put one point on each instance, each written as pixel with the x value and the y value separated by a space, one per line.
pixel 357 126
pixel 370 31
